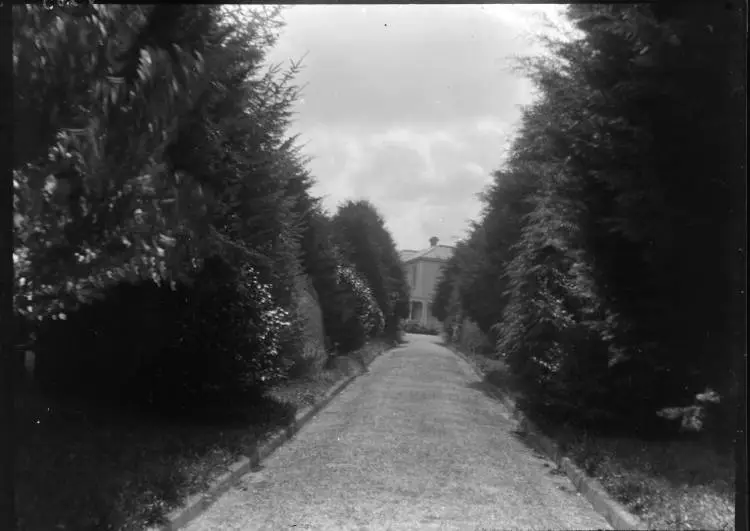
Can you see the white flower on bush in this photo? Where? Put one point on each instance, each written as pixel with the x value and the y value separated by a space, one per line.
pixel 368 311
pixel 273 321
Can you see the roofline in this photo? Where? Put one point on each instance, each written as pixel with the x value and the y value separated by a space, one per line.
pixel 426 259
pixel 420 255
pixel 427 249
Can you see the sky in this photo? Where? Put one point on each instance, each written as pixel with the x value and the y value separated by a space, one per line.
pixel 409 106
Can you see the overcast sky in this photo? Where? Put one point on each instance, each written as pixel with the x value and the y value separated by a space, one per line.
pixel 409 106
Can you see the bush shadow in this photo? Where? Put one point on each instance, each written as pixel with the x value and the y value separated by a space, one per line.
pixel 97 468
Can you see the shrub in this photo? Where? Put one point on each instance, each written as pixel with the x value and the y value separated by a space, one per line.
pixel 365 243
pixel 357 315
pixel 148 346
pixel 237 323
pixel 305 355
pixel 367 310
pixel 413 327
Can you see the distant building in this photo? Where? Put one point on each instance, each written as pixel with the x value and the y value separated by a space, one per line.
pixel 423 270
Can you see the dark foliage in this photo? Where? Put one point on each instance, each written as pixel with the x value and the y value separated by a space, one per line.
pixel 604 252
pixel 416 328
pixel 365 242
pixel 155 348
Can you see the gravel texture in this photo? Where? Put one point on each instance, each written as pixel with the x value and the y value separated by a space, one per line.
pixel 413 444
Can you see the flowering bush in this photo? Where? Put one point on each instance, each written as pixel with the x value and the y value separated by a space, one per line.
pixel 367 310
pixel 273 321
pixel 200 344
pixel 229 336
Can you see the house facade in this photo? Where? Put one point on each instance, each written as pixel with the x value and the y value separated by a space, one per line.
pixel 423 270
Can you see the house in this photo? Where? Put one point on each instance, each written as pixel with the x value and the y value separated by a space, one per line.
pixel 423 270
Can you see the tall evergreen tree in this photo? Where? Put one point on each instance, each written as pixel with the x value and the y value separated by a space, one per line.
pixel 615 198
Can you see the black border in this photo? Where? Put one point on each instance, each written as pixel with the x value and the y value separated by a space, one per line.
pixel 739 280
pixel 7 340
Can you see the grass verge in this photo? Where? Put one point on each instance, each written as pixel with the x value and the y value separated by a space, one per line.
pixel 94 470
pixel 677 484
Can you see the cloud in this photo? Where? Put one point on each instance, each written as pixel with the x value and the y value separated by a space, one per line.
pixel 401 64
pixel 423 182
pixel 409 106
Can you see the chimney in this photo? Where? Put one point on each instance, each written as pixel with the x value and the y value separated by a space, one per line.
pixel 433 241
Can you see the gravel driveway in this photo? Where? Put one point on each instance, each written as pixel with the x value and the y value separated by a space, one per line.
pixel 413 444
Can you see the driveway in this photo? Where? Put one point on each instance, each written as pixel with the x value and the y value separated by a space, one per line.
pixel 413 444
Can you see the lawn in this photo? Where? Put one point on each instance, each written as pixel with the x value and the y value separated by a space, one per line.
pixel 93 470
pixel 677 484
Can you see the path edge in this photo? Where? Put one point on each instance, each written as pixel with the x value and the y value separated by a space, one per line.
pixel 199 503
pixel 614 512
